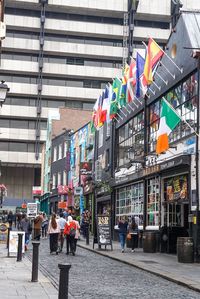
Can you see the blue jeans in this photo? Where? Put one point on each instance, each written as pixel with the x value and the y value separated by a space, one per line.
pixel 122 239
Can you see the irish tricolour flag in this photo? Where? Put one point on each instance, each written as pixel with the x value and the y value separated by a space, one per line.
pixel 169 119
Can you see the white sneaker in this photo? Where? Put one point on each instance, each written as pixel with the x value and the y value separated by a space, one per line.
pixel 122 250
pixel 133 250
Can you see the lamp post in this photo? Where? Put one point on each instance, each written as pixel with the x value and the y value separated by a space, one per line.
pixel 3 92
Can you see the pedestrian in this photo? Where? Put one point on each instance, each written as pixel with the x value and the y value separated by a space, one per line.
pixel 53 231
pixel 70 232
pixel 133 231
pixel 77 235
pixel 26 227
pixel 37 226
pixel 62 221
pixel 10 219
pixel 44 226
pixel 19 218
pixel 123 225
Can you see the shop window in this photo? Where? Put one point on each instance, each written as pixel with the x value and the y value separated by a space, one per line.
pixel 129 203
pixel 175 197
pixel 153 201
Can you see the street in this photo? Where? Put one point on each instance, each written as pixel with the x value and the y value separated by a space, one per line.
pixel 95 276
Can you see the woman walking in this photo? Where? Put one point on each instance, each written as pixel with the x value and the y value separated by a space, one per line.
pixel 70 232
pixel 53 231
pixel 44 226
pixel 123 225
pixel 77 235
pixel 133 231
pixel 26 227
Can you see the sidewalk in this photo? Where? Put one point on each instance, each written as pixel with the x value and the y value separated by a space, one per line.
pixel 15 280
pixel 163 265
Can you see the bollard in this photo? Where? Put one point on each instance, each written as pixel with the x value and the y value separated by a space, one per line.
pixel 87 236
pixel 35 260
pixel 63 281
pixel 8 238
pixel 19 248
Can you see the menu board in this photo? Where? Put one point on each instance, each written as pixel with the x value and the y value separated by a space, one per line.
pixel 104 230
pixel 3 232
pixel 13 241
pixel 176 188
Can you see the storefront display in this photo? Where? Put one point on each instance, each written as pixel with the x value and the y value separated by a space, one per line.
pixel 130 201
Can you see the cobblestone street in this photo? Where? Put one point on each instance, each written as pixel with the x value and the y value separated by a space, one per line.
pixel 95 276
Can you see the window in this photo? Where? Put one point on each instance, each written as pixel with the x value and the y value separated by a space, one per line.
pixel 59 179
pixel 60 152
pixel 108 128
pixel 101 137
pixel 130 202
pixel 184 99
pixel 64 178
pixel 54 181
pixel 54 154
pixel 153 201
pixel 107 158
pixel 131 140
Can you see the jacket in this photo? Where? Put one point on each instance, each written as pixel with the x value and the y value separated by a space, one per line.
pixel 123 227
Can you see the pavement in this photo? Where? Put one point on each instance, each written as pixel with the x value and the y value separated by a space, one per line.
pixel 15 280
pixel 160 264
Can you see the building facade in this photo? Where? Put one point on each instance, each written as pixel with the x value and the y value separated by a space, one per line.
pixel 61 55
pixel 161 192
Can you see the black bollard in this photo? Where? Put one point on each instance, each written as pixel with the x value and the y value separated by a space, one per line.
pixel 35 260
pixel 8 238
pixel 19 248
pixel 63 281
pixel 87 235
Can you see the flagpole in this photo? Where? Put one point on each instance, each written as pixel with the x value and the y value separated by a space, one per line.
pixel 126 109
pixel 180 117
pixel 173 76
pixel 159 87
pixel 152 91
pixel 131 107
pixel 119 116
pixel 116 119
pixel 159 76
pixel 180 69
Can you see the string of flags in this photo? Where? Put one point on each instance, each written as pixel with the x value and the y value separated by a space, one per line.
pixel 136 84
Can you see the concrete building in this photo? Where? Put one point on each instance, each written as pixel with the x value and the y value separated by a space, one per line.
pixel 60 54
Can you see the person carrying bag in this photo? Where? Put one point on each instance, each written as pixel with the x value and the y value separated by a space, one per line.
pixel 70 233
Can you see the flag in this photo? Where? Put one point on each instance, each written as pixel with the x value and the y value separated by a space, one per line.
pixel 116 88
pixel 123 91
pixel 105 105
pixel 140 82
pixel 131 81
pixel 110 94
pixel 114 107
pixel 153 55
pixel 169 119
pixel 122 96
pixel 99 110
pixel 94 114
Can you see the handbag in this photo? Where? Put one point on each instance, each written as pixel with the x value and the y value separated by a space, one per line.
pixel 128 237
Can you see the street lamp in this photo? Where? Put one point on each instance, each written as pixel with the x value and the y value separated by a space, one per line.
pixel 3 92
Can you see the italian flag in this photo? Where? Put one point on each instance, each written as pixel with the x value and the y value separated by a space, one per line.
pixel 169 119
